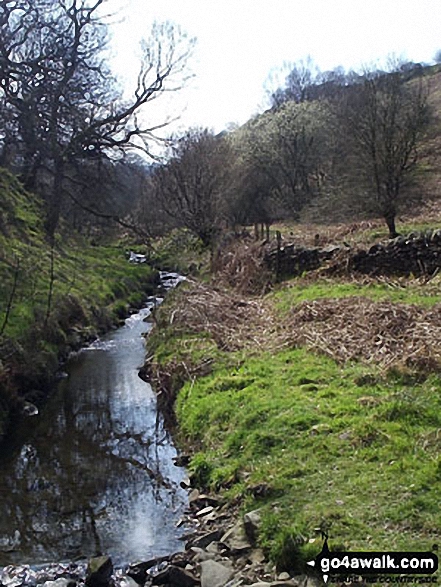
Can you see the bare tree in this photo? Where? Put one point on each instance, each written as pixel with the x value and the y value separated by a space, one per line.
pixel 68 107
pixel 383 119
pixel 299 83
pixel 193 186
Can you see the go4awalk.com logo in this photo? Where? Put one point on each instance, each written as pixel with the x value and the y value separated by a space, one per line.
pixel 373 563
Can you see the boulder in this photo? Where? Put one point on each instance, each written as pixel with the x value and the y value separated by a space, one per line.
pixel 173 575
pixel 252 522
pixel 215 574
pixel 99 571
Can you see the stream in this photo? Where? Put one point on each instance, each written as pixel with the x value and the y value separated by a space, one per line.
pixel 93 472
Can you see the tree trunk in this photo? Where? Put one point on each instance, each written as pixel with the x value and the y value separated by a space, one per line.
pixel 54 203
pixel 390 221
pixel 11 296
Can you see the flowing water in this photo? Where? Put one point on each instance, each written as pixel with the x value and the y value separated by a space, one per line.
pixel 93 471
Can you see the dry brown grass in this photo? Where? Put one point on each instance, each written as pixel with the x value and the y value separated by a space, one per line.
pixel 353 328
pixel 309 234
pixel 241 266
pixel 233 321
pixel 357 328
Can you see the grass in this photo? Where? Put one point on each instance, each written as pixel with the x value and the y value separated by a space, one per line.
pixel 347 448
pixel 53 299
pixel 406 291
pixel 342 448
pixel 180 251
pixel 93 277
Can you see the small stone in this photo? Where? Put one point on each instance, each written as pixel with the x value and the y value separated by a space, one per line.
pixel 127 581
pixel 202 555
pixel 181 460
pixel 252 522
pixel 209 499
pixel 61 582
pixel 204 511
pixel 214 574
pixel 138 571
pixel 284 576
pixel 236 538
pixel 257 556
pixel 260 490
pixel 185 483
pixel 99 571
pixel 29 409
pixel 269 568
pixel 193 496
pixel 206 539
pixel 213 547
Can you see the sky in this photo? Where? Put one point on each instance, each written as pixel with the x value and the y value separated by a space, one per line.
pixel 241 44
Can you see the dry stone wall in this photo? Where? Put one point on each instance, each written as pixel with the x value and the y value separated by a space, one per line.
pixel 418 253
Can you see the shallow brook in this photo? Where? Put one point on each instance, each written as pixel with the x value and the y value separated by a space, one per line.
pixel 93 471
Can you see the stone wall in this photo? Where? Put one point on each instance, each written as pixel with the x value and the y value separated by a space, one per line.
pixel 418 253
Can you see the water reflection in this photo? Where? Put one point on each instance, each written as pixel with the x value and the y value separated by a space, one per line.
pixel 93 472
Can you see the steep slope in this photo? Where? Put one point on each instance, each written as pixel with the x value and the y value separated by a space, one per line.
pixel 52 299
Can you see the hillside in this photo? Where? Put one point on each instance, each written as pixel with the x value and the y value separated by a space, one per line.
pixel 53 299
pixel 279 144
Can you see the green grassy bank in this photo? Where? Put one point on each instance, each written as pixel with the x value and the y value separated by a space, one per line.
pixel 52 299
pixel 350 448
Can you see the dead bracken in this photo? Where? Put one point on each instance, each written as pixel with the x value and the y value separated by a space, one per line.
pixel 351 328
pixel 383 332
pixel 233 321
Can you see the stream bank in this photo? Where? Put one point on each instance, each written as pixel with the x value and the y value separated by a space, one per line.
pixel 219 548
pixel 274 395
pixel 93 470
pixel 31 363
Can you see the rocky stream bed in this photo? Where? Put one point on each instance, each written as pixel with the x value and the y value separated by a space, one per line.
pixel 219 550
